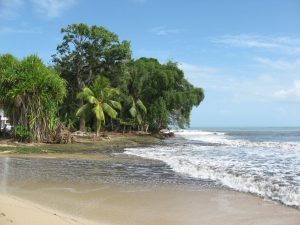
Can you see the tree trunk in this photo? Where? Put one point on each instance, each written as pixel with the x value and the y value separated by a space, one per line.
pixel 82 118
pixel 82 123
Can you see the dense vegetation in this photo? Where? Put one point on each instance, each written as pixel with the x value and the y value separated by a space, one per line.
pixel 31 94
pixel 94 84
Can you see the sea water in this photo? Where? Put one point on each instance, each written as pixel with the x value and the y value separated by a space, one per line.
pixel 261 161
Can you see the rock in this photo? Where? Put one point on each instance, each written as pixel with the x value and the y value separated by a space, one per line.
pixel 164 133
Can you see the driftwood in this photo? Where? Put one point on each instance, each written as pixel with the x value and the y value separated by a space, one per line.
pixel 62 135
pixel 85 137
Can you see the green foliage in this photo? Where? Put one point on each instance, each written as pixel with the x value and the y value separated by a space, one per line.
pixel 152 94
pixel 22 134
pixel 31 93
pixel 100 100
pixel 138 94
pixel 84 52
pixel 165 94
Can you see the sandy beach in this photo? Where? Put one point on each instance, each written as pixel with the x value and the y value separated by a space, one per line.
pixel 18 211
pixel 112 188
pixel 142 205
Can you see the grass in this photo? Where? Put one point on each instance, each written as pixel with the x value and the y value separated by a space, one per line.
pixel 116 144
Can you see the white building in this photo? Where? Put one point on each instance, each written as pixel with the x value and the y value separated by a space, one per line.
pixel 4 121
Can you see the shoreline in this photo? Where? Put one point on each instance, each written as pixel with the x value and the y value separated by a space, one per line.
pixel 129 203
pixel 84 150
pixel 99 151
pixel 135 205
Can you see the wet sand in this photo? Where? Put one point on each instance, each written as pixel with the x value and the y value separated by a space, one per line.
pixel 123 190
pixel 136 205
pixel 22 212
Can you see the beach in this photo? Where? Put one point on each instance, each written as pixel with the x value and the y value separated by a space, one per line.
pixel 14 210
pixel 143 112
pixel 135 206
pixel 140 184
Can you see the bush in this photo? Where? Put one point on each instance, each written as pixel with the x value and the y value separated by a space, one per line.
pixel 22 134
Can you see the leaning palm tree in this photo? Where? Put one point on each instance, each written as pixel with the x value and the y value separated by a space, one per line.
pixel 99 99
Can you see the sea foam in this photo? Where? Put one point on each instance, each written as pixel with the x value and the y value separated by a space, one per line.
pixel 267 168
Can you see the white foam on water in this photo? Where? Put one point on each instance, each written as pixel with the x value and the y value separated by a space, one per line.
pixel 268 169
pixel 220 138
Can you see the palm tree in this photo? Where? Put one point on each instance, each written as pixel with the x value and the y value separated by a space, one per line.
pixel 99 99
pixel 137 110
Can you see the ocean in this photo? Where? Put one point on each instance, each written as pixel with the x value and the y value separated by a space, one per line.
pixel 260 161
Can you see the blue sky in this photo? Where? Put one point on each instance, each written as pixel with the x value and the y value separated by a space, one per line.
pixel 245 54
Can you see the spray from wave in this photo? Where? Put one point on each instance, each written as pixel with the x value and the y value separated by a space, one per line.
pixel 269 169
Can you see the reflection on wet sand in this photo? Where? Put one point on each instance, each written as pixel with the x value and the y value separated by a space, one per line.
pixel 4 174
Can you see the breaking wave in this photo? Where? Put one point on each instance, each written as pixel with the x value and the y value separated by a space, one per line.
pixel 270 169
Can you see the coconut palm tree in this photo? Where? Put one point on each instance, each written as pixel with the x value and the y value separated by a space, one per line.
pixel 100 100
pixel 137 110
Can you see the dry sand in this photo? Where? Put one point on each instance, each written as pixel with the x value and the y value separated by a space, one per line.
pixel 143 206
pixel 15 211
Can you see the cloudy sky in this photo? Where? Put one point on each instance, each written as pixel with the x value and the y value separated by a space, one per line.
pixel 245 54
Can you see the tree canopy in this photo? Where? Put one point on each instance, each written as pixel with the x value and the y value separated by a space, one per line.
pixel 166 94
pixel 31 93
pixel 87 51
pixel 142 94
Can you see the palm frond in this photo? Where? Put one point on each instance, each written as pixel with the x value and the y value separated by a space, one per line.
pixel 109 111
pixel 141 105
pixel 112 91
pixel 133 110
pixel 102 115
pixel 116 104
pixel 96 110
pixel 92 100
pixel 82 109
pixel 86 92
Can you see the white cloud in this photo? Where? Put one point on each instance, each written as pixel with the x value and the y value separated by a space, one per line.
pixel 53 8
pixel 272 86
pixel 23 30
pixel 163 31
pixel 245 41
pixel 291 94
pixel 207 77
pixel 285 44
pixel 9 8
pixel 280 64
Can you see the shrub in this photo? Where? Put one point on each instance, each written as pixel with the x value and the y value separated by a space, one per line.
pixel 22 134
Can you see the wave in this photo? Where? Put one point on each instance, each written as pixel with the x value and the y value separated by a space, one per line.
pixel 220 138
pixel 263 168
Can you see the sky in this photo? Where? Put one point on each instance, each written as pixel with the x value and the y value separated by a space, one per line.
pixel 244 54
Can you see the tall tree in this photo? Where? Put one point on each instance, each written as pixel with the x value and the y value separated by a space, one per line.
pixel 131 85
pixel 101 100
pixel 85 52
pixel 168 96
pixel 31 93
